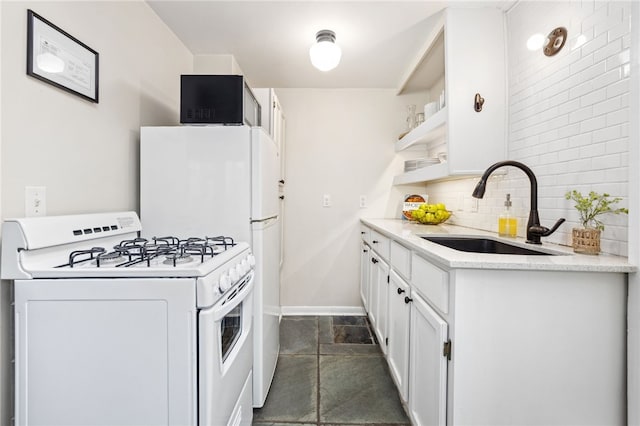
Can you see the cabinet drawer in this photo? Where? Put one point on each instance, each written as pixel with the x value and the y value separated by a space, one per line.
pixel 365 233
pixel 401 259
pixel 430 281
pixel 380 244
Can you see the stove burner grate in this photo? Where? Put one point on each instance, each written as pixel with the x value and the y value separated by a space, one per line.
pixel 138 250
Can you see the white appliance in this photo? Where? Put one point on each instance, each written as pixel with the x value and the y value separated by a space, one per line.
pixel 113 329
pixel 221 179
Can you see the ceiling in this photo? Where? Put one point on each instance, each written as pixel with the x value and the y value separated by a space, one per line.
pixel 270 40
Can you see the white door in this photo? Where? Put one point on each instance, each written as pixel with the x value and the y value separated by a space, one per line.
pixel 398 332
pixel 428 365
pixel 364 275
pixel 265 173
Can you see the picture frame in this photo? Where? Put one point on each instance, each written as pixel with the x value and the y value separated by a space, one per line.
pixel 56 57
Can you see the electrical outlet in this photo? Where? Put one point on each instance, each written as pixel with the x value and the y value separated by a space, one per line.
pixel 35 201
pixel 326 200
pixel 363 201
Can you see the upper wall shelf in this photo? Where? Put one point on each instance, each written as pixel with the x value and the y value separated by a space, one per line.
pixel 433 129
pixel 467 62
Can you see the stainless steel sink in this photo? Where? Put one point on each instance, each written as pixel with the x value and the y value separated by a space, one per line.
pixel 484 245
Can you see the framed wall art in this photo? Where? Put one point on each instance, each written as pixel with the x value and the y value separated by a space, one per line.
pixel 56 57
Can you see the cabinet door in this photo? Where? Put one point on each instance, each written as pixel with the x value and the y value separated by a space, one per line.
pixel 374 259
pixel 381 288
pixel 364 275
pixel 398 332
pixel 428 365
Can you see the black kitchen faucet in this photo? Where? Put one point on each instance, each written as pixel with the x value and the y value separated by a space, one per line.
pixel 534 229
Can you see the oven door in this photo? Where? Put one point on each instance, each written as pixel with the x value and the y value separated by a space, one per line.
pixel 225 336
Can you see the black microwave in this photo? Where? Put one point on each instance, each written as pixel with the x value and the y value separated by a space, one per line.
pixel 217 99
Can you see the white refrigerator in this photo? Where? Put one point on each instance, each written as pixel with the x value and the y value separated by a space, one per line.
pixel 220 180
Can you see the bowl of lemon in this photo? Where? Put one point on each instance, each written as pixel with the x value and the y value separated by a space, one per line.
pixel 431 214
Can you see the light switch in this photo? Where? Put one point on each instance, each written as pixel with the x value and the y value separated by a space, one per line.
pixel 326 200
pixel 363 201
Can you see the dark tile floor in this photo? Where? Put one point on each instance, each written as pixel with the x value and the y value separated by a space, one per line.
pixel 330 372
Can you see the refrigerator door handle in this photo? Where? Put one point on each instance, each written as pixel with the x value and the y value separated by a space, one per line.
pixel 266 219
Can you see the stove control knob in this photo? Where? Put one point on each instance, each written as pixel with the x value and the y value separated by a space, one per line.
pixel 245 266
pixel 240 269
pixel 225 283
pixel 233 274
pixel 251 259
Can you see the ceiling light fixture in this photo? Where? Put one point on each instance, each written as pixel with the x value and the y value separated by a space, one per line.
pixel 325 53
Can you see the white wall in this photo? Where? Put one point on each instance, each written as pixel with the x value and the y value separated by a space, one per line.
pixel 85 154
pixel 568 119
pixel 338 142
pixel 633 345
pixel 216 64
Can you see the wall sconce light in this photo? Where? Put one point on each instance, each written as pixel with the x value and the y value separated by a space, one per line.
pixel 325 54
pixel 555 41
pixel 550 44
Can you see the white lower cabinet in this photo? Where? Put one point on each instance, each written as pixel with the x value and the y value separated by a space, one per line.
pixel 499 347
pixel 364 275
pixel 427 365
pixel 398 332
pixel 379 290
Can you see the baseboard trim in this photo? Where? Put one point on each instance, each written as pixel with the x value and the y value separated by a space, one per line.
pixel 322 310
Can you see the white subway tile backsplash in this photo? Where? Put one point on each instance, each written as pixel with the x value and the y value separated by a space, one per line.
pixel 618 88
pixel 607 106
pixel 592 150
pixel 568 131
pixel 594 123
pixel 582 89
pixel 581 140
pixel 607 134
pixel 612 48
pixel 619 173
pixel 609 77
pixel 618 117
pixel 581 114
pixel 620 59
pixel 617 145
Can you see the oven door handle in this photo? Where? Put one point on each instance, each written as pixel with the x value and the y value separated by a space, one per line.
pixel 226 305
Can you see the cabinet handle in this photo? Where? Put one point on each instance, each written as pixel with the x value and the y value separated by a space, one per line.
pixel 281 181
pixel 407 299
pixel 478 101
pixel 374 260
pixel 281 197
pixel 364 251
pixel 375 241
pixel 400 291
pixel 362 232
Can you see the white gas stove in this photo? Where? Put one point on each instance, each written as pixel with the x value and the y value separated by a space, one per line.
pixel 121 330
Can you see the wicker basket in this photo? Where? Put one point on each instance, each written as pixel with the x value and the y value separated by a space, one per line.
pixel 586 241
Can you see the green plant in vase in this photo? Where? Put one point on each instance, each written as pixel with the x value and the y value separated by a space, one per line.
pixel 590 207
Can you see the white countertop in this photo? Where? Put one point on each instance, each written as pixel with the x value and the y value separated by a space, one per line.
pixel 408 234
